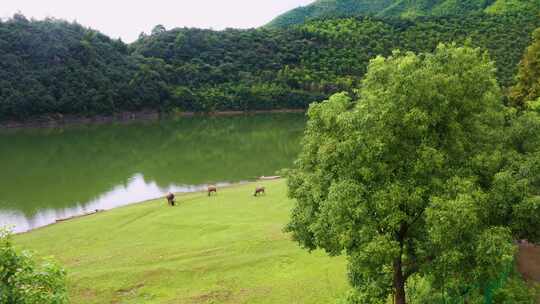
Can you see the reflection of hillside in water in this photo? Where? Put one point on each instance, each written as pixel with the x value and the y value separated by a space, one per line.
pixel 223 149
pixel 69 167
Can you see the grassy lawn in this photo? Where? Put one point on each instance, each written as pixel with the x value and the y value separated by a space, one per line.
pixel 224 249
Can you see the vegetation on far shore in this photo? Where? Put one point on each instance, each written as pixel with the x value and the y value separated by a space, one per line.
pixel 399 8
pixel 54 68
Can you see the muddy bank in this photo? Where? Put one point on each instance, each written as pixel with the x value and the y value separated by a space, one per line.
pixel 528 261
pixel 55 120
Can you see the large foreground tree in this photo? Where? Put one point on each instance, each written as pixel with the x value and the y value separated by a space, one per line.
pixel 420 176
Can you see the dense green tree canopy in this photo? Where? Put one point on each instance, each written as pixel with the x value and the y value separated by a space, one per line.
pixel 261 69
pixel 400 8
pixel 422 175
pixel 53 68
pixel 527 87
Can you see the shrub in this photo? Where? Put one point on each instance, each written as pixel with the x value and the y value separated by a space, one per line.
pixel 24 280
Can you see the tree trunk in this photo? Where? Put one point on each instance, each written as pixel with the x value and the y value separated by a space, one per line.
pixel 399 283
pixel 399 277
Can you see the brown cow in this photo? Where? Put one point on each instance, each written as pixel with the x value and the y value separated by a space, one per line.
pixel 259 190
pixel 170 199
pixel 212 189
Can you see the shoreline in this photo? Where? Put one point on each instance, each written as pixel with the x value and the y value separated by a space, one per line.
pixel 177 195
pixel 162 248
pixel 59 120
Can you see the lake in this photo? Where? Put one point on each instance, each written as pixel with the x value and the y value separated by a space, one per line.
pixel 48 174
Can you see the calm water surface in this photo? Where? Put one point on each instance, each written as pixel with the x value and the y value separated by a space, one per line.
pixel 54 173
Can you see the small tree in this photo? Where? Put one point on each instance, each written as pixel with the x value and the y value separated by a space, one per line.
pixel 23 281
pixel 416 177
pixel 158 29
pixel 527 87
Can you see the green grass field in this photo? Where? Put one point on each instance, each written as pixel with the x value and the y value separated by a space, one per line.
pixel 224 249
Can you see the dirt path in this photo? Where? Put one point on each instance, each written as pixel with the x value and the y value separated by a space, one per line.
pixel 529 262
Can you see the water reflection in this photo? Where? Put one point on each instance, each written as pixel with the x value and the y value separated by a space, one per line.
pixel 136 190
pixel 48 174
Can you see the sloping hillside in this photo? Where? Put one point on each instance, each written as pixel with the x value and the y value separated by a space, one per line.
pixel 55 66
pixel 294 66
pixel 400 8
pixel 322 8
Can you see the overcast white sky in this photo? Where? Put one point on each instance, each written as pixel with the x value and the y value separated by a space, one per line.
pixel 127 18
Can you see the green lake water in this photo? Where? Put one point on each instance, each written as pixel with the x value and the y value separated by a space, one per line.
pixel 53 173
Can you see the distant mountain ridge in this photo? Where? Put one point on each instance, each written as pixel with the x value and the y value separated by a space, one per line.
pixel 400 8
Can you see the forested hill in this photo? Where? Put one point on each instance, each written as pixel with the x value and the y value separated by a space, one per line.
pixel 55 68
pixel 401 8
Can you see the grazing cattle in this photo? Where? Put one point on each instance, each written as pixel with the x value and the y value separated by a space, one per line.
pixel 259 190
pixel 170 199
pixel 212 189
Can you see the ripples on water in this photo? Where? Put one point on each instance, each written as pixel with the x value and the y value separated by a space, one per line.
pixel 52 174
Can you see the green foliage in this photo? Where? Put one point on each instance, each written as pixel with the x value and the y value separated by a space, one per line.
pixel 515 290
pixel 355 297
pixel 412 177
pixel 327 8
pixel 263 69
pixel 52 66
pixel 346 45
pixel 512 289
pixel 400 8
pixel 55 67
pixel 527 87
pixel 502 6
pixel 227 248
pixel 520 176
pixel 23 281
